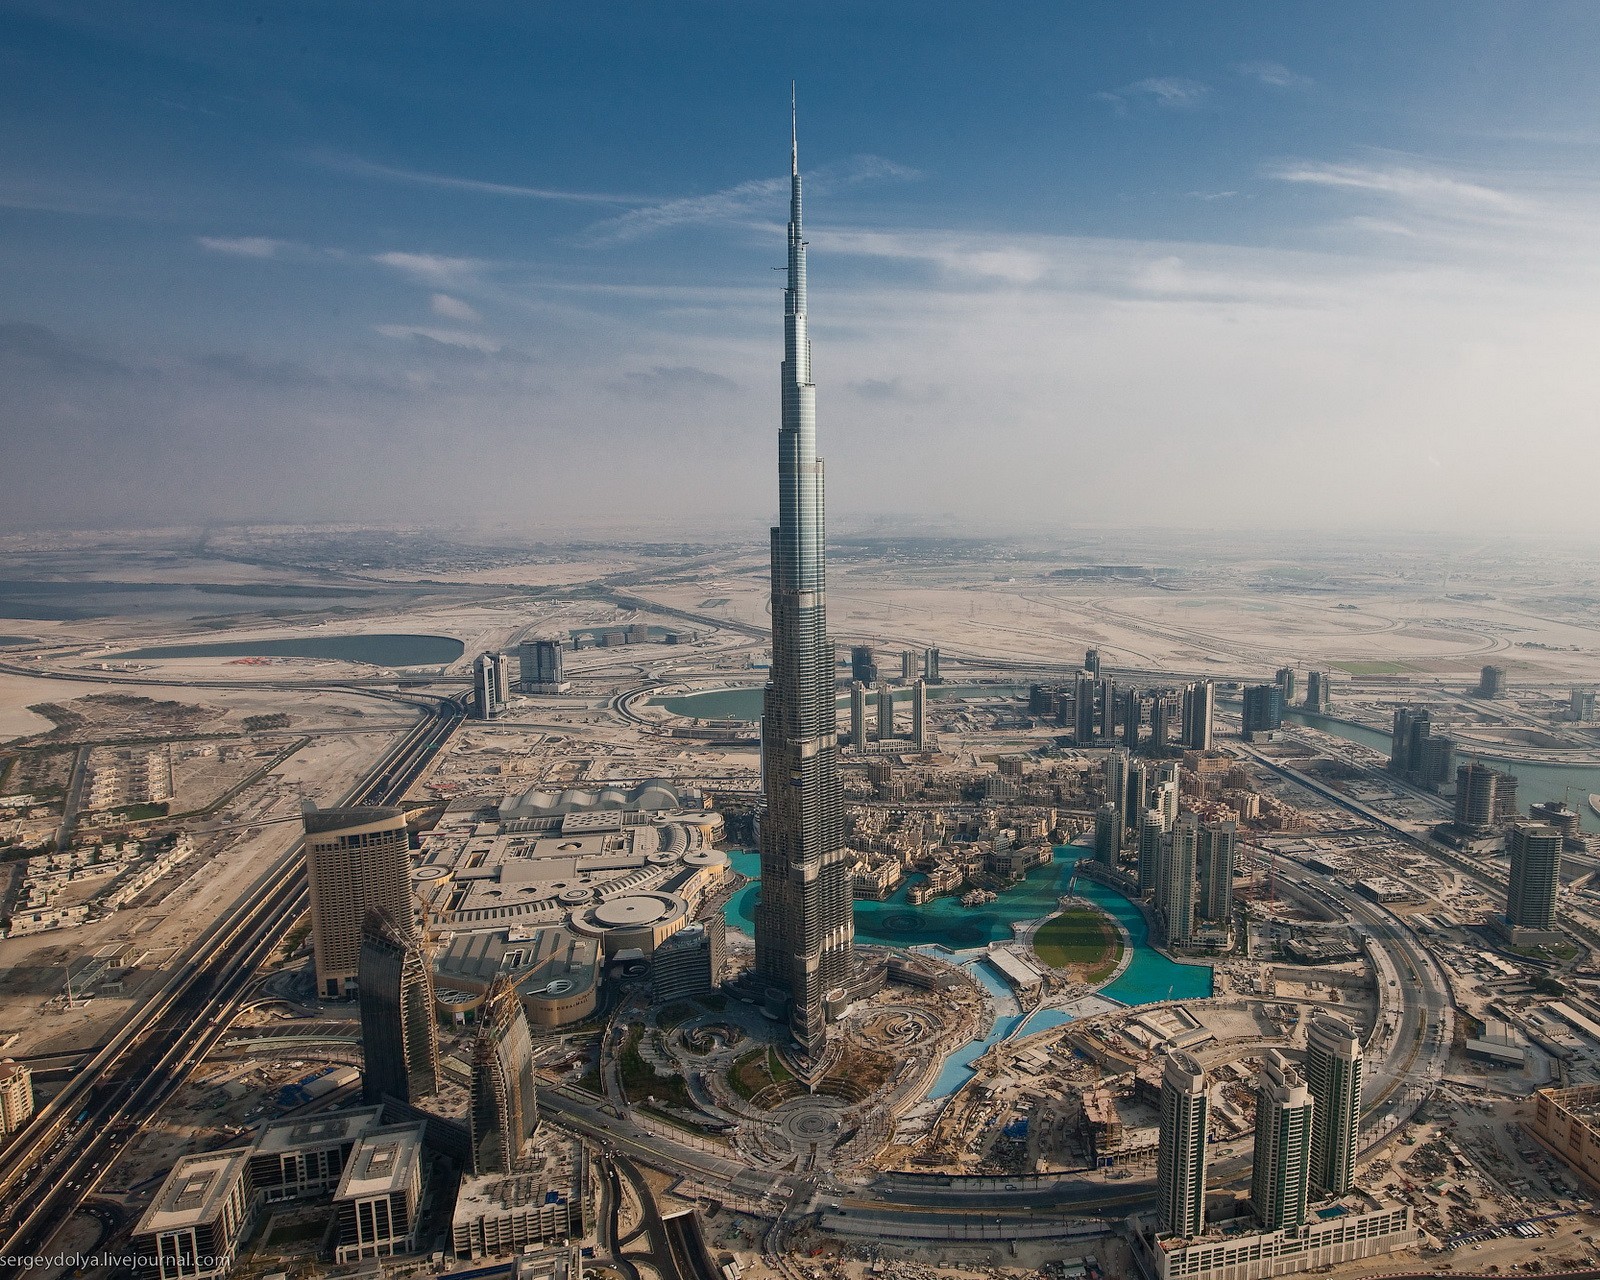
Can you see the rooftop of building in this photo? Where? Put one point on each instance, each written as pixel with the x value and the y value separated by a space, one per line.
pixel 355 818
pixel 384 1160
pixel 549 960
pixel 552 1167
pixel 1351 1205
pixel 478 869
pixel 314 1132
pixel 194 1191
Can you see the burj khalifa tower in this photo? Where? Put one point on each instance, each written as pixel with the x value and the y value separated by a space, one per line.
pixel 804 925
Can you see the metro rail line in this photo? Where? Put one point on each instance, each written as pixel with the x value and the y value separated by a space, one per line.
pixel 57 1159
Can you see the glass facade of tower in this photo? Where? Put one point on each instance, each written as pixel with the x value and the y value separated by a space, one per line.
pixel 399 1037
pixel 1181 1156
pixel 805 924
pixel 1334 1071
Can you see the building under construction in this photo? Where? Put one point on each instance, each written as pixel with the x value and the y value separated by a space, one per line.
pixel 399 1035
pixel 505 1105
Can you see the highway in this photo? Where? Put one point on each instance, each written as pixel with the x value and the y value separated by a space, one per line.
pixel 57 1159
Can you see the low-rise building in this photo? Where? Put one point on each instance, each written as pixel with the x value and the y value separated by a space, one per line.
pixel 690 962
pixel 199 1218
pixel 1567 1121
pixel 376 1206
pixel 556 972
pixel 293 1159
pixel 1345 1231
pixel 16 1096
pixel 546 1203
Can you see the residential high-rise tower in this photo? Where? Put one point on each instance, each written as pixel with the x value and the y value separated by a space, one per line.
pixel 1181 1156
pixel 1215 854
pixel 1535 850
pixel 804 925
pixel 1281 1166
pixel 1333 1072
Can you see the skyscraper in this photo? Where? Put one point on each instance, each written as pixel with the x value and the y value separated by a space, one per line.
pixel 908 665
pixel 804 924
pixel 1485 797
pixel 1132 712
pixel 399 1036
pixel 1114 772
pixel 1284 678
pixel 1164 796
pixel 1083 691
pixel 1136 797
pixel 1333 1072
pixel 1152 827
pixel 858 715
pixel 1175 880
pixel 1215 853
pixel 1107 834
pixel 1319 692
pixel 885 713
pixel 541 666
pixel 1491 682
pixel 1263 710
pixel 930 665
pixel 356 860
pixel 1535 850
pixel 919 714
pixel 863 665
pixel 1108 709
pixel 1181 1156
pixel 505 1105
pixel 1160 723
pixel 486 700
pixel 1281 1165
pixel 1199 711
pixel 1091 662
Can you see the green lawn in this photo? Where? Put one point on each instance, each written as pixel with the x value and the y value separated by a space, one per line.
pixel 1080 936
pixel 1374 668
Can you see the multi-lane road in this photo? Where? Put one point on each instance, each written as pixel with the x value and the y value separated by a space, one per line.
pixel 52 1164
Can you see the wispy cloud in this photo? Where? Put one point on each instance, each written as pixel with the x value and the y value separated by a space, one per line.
pixel 453 309
pixel 418 177
pixel 1427 187
pixel 243 246
pixel 1273 74
pixel 431 268
pixel 1212 195
pixel 445 337
pixel 1172 93
pixel 747 202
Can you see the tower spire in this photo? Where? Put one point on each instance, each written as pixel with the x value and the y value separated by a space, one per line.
pixel 794 133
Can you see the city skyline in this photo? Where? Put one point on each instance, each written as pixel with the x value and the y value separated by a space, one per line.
pixel 240 246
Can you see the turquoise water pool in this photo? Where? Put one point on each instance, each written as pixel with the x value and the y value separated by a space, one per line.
pixel 1149 977
pixel 957 1069
pixel 943 922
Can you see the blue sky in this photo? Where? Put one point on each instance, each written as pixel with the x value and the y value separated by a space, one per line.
pixel 1217 266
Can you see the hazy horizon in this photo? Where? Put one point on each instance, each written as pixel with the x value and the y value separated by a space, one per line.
pixel 1072 270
